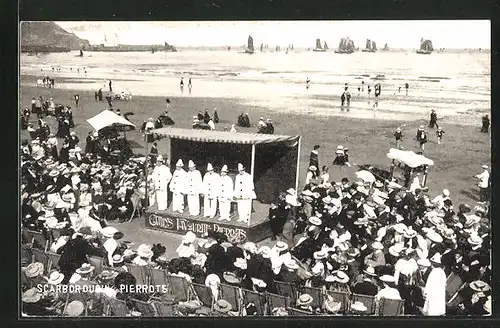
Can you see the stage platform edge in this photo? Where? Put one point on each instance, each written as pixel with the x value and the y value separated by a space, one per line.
pixel 181 223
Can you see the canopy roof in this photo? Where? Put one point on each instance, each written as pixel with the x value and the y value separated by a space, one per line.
pixel 107 118
pixel 224 136
pixel 409 158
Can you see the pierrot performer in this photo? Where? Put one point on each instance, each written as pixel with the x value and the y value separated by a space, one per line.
pixel 161 176
pixel 210 191
pixel 177 185
pixel 225 194
pixel 194 185
pixel 244 193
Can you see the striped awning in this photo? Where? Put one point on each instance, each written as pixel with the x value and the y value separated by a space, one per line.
pixel 224 136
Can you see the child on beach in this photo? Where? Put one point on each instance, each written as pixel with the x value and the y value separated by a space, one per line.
pixel 182 84
pixel 398 135
pixel 168 103
pixel 190 85
pixel 439 134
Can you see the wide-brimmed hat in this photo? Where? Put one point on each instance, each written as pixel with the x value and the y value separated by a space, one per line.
pixel 377 245
pixel 108 231
pixel 449 234
pixel 436 220
pixel 319 255
pixel 240 263
pixel 54 173
pixel 387 278
pixel 479 286
pixel 231 278
pixel 341 277
pixel 222 306
pixel 31 295
pixel 212 280
pixel 85 269
pixel 315 221
pixel 75 278
pixel 291 264
pixel 434 236
pixel 361 221
pixel 280 246
pixel 400 228
pixel 475 240
pixel 144 250
pixel 424 262
pixel 370 271
pixel 117 259
pixel 55 278
pixel 312 168
pixel 304 299
pixel 396 249
pixel 410 233
pixel 34 269
pixel 74 309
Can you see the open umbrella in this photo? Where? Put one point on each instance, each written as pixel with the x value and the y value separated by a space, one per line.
pixel 365 176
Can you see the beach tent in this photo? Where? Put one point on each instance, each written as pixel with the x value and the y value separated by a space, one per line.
pixel 107 118
pixel 411 160
pixel 273 160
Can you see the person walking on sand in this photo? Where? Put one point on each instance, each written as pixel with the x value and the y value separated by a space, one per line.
pixel 484 184
pixel 398 135
pixel 190 85
pixel 362 86
pixel 433 119
pixel 399 89
pixel 168 102
pixel 377 93
pixel 439 134
pixel 110 88
pixel 421 137
pixel 77 99
pixel 486 124
pixel 342 100
pixel 348 98
pixel 308 83
pixel 407 86
pixel 182 84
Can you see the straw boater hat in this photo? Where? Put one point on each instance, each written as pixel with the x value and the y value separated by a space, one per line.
pixel 315 221
pixel 377 245
pixel 222 306
pixel 212 280
pixel 108 231
pixel 31 296
pixel 280 246
pixel 304 300
pixel 424 262
pixel 75 278
pixel 312 168
pixel 361 221
pixel 387 279
pixel 265 252
pixel 410 233
pixel 479 286
pixel 400 228
pixel 34 269
pixel 475 240
pixel 54 173
pixel 85 269
pixel 319 255
pixel 231 278
pixel 240 263
pixel 370 271
pixel 434 236
pixel 74 309
pixel 396 249
pixel 291 264
pixel 358 307
pixel 55 278
pixel 144 250
pixel 117 259
pixel 341 277
pixel 330 278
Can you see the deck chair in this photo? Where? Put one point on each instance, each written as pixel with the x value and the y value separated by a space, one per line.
pixel 157 276
pixel 139 272
pixel 259 299
pixel 367 300
pixel 388 307
pixel 164 309
pixel 342 297
pixel 26 255
pixel 39 241
pixel 317 295
pixel 287 290
pixel 115 307
pixel 298 312
pixel 232 295
pixel 97 263
pixel 53 260
pixel 40 256
pixel 276 301
pixel 204 294
pixel 453 284
pixel 26 237
pixel 180 287
pixel 147 309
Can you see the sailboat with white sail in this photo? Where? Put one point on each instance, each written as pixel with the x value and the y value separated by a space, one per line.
pixel 249 49
pixel 425 47
pixel 318 46
pixel 346 46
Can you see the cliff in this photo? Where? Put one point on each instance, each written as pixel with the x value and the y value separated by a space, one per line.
pixel 48 37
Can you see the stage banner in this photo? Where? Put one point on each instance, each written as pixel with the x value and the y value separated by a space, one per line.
pixel 183 225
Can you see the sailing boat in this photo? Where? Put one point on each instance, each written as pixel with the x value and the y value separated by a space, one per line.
pixel 261 47
pixel 374 46
pixel 318 46
pixel 385 48
pixel 249 49
pixel 346 46
pixel 325 46
pixel 368 47
pixel 425 47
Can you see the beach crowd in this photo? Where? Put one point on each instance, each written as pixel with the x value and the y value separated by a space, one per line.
pixel 341 247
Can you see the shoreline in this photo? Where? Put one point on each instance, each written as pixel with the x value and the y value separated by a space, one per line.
pixel 317 105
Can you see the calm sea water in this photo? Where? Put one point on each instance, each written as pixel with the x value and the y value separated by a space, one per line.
pixel 452 83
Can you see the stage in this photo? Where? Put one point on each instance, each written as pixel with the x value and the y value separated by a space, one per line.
pixel 167 220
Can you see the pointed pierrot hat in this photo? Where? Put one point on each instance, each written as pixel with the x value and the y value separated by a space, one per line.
pixel 224 168
pixel 191 164
pixel 209 167
pixel 240 167
pixel 179 163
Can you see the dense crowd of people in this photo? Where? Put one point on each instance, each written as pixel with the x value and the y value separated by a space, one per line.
pixel 375 239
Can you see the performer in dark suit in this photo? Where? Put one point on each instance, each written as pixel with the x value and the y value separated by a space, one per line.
pixel 313 158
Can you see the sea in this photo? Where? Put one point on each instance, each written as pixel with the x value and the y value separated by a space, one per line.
pixel 456 85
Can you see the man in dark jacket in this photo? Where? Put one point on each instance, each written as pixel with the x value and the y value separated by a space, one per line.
pixel 433 119
pixel 73 255
pixel 368 285
pixel 216 260
pixel 313 157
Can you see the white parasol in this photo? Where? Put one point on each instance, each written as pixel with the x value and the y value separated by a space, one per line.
pixel 366 176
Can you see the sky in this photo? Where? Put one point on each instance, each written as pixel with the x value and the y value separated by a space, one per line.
pixel 452 34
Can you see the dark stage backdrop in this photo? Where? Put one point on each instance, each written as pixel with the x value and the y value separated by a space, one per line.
pixel 275 163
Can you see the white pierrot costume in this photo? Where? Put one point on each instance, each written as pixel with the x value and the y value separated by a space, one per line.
pixel 177 186
pixel 225 194
pixel 193 188
pixel 210 191
pixel 244 193
pixel 161 176
pixel 435 290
